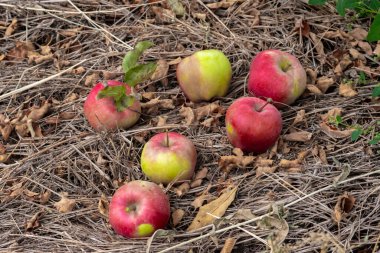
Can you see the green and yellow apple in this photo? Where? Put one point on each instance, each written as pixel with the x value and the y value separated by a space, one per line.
pixel 204 75
pixel 139 208
pixel 277 75
pixel 168 157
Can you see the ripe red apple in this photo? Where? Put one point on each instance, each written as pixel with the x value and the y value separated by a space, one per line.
pixel 204 75
pixel 139 208
pixel 167 157
pixel 277 75
pixel 252 124
pixel 103 113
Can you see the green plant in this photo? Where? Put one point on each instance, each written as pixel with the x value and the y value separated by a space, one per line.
pixel 363 8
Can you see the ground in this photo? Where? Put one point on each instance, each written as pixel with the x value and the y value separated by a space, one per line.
pixel 316 190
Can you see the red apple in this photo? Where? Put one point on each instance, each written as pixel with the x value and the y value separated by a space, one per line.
pixel 102 112
pixel 167 157
pixel 252 124
pixel 204 75
pixel 139 208
pixel 277 75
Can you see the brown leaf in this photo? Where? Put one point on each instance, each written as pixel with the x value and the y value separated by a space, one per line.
pixel 79 70
pixel 358 33
pixel 71 32
pixel 323 83
pixel 228 245
pixel 226 163
pixel 313 89
pixel 301 136
pixel 263 162
pixel 67 115
pixel 302 155
pixel 20 51
pixel 256 17
pixel 175 61
pixel 4 158
pixel 30 194
pixel 188 114
pixel 346 90
pixel 45 50
pixel 342 65
pixel 377 49
pixel 322 155
pixel 182 189
pixel 338 134
pixel 37 113
pixel 355 54
pixel 2 57
pixel 11 28
pixel 210 122
pixel 207 110
pixel 343 206
pixel 161 121
pixel 336 34
pixel 264 170
pixel 54 120
pixel 44 197
pixel 65 204
pixel 311 76
pixel 332 113
pixel 243 214
pixel 223 4
pixel 302 27
pixel 161 70
pixel 318 46
pixel 289 163
pixel 279 230
pixel 6 130
pixel 38 58
pixel 91 79
pixel 366 47
pixel 3 149
pixel 163 15
pixel 34 222
pixel 213 210
pixel 299 117
pixel 177 216
pixel 157 103
pixel 199 16
pixel 199 177
pixel 103 205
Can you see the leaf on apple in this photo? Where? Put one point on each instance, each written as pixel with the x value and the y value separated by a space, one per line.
pixel 301 136
pixel 214 210
pixel 139 73
pixel 229 245
pixel 199 176
pixel 131 58
pixel 227 163
pixel 346 90
pixel 177 216
pixel 34 222
pixel 103 205
pixel 343 206
pixel 65 205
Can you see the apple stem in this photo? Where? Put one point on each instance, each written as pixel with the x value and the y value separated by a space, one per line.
pixel 269 101
pixel 167 138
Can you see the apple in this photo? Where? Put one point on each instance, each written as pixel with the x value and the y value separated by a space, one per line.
pixel 204 75
pixel 102 112
pixel 252 124
pixel 168 157
pixel 139 208
pixel 277 75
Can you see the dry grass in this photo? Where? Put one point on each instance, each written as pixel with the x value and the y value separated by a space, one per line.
pixel 66 159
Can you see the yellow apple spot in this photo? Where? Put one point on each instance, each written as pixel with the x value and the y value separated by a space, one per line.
pixel 296 89
pixel 285 65
pixel 230 129
pixel 145 229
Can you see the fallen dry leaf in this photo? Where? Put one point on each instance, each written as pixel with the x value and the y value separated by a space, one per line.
pixel 199 177
pixel 188 114
pixel 44 197
pixel 358 33
pixel 279 230
pixel 223 4
pixel 91 79
pixel 37 113
pixel 161 121
pixel 207 110
pixel 260 161
pixel 4 158
pixel 346 90
pixel 213 210
pixel 302 27
pixel 20 51
pixel 322 155
pixel 163 15
pixel 199 16
pixel 255 20
pixel 366 47
pixel 11 28
pixel 226 163
pixel 336 34
pixel 175 61
pixel 343 65
pixel 67 115
pixel 182 189
pixel 243 214
pixel 2 57
pixel 54 120
pixel 103 205
pixel 30 194
pixel 3 149
pixel 228 245
pixel 289 163
pixel 355 54
pixel 79 70
pixel 299 117
pixel 153 105
pixel 177 216
pixel 301 136
pixel 71 32
pixel 323 83
pixel 332 113
pixel 311 76
pixel 343 206
pixel 264 170
pixel 377 49
pixel 318 47
pixel 65 205
pixel 161 70
pixel 38 58
pixel 177 7
pixel 338 134
pixel 314 89
pixel 34 222
pixel 6 130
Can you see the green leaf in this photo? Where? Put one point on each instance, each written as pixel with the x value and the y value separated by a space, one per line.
pixel 376 92
pixel 338 119
pixel 375 140
pixel 115 92
pixel 374 5
pixel 131 58
pixel 356 134
pixel 374 30
pixel 342 5
pixel 317 2
pixel 139 73
pixel 128 101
